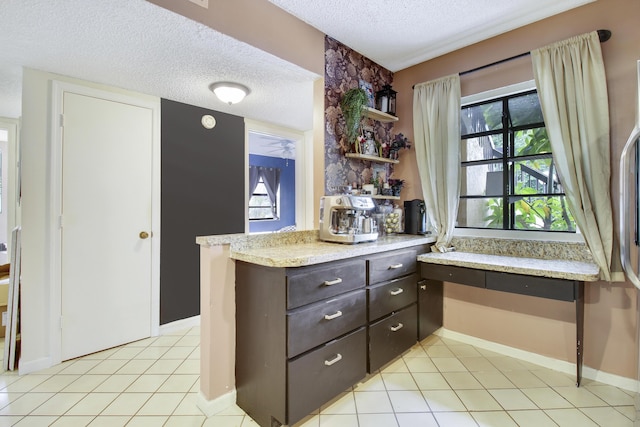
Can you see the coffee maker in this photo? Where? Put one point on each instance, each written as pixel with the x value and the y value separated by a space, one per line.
pixel 347 219
pixel 415 217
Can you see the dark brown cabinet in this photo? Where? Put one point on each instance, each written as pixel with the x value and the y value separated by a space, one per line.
pixel 300 337
pixel 387 297
pixel 449 273
pixel 318 323
pixel 391 336
pixel 320 375
pixel 306 334
pixel 392 305
pixel 430 306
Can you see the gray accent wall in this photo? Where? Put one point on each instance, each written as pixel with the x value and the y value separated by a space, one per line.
pixel 202 193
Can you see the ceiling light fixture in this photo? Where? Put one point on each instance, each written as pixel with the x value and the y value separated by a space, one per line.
pixel 228 92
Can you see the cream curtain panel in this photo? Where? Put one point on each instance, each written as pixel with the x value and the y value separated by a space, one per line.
pixel 572 89
pixel 436 122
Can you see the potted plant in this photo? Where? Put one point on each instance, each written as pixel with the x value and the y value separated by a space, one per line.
pixel 396 186
pixel 352 105
pixel 399 141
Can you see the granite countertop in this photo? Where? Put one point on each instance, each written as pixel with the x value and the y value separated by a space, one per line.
pixel 561 260
pixel 553 268
pixel 301 248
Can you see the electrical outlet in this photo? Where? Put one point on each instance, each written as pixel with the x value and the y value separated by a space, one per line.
pixel 203 3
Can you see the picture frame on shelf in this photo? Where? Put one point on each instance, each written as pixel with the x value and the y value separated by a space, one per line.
pixel 368 89
pixel 369 146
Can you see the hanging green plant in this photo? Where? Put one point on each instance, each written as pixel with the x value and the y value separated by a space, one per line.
pixel 352 105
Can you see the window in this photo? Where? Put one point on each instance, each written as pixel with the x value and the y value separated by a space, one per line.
pixel 509 180
pixel 261 205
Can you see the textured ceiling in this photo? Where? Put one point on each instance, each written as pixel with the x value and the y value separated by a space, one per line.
pixel 139 46
pixel 136 45
pixel 399 34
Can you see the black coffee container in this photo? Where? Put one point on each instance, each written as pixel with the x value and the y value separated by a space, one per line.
pixel 415 217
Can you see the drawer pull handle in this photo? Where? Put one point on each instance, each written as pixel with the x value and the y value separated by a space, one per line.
pixel 423 287
pixel 395 266
pixel 332 282
pixel 333 316
pixel 397 327
pixel 397 291
pixel 334 360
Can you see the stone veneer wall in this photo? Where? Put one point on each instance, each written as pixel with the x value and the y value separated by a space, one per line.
pixel 343 69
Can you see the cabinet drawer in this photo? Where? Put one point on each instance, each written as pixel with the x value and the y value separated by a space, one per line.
pixel 543 287
pixel 312 325
pixel 449 273
pixel 310 284
pixel 320 375
pixel 389 337
pixel 391 265
pixel 391 296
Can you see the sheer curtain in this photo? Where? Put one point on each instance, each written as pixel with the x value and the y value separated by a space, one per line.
pixel 254 177
pixel 572 88
pixel 271 178
pixel 436 122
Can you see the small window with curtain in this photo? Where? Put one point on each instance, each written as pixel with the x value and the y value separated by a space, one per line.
pixel 509 180
pixel 264 198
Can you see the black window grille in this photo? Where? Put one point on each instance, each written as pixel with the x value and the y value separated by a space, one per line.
pixel 509 179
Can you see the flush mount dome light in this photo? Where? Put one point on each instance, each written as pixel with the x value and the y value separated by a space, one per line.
pixel 228 92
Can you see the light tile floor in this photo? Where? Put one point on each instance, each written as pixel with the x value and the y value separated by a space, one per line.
pixel 438 383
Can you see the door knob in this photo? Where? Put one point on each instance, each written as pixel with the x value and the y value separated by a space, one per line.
pixel 144 235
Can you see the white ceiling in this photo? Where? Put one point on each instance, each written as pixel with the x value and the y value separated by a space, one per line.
pixel 136 45
pixel 399 34
pixel 139 46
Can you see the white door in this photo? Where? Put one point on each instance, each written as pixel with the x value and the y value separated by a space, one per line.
pixel 106 209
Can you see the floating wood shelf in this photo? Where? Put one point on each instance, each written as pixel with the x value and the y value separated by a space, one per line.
pixel 371 158
pixel 378 115
pixel 382 197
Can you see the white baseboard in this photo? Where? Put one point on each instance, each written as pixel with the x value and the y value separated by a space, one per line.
pixel 219 404
pixel 33 365
pixel 178 325
pixel 611 379
pixel 538 359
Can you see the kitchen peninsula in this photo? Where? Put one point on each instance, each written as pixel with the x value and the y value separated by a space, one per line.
pixel 266 278
pixel 219 256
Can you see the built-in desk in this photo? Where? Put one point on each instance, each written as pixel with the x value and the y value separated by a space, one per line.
pixel 545 278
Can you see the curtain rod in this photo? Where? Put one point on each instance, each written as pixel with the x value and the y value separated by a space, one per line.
pixel 603 35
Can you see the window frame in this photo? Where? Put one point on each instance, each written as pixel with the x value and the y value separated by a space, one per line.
pixel 503 92
pixel 277 204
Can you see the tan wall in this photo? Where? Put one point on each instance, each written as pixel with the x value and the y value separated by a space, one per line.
pixel 530 323
pixel 260 24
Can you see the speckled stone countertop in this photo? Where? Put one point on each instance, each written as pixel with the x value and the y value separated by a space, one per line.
pixel 559 260
pixel 300 248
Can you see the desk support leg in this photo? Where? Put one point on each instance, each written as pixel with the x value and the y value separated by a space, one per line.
pixel 579 289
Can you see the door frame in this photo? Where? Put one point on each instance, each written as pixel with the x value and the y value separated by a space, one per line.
pixel 12 186
pixel 58 88
pixel 303 172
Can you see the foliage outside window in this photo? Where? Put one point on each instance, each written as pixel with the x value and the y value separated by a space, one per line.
pixel 260 206
pixel 509 180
